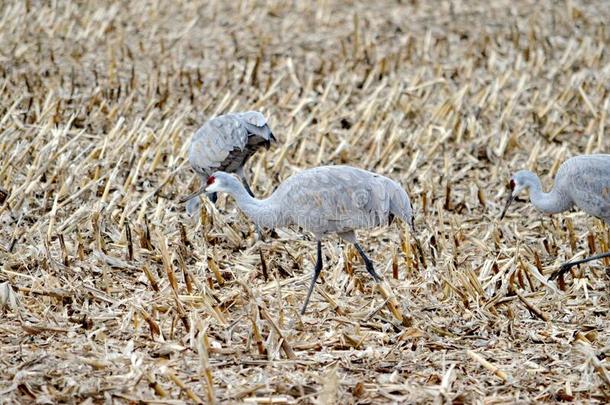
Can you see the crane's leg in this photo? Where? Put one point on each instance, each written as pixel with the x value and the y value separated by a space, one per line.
pixel 316 273
pixel 567 266
pixel 350 236
pixel 368 263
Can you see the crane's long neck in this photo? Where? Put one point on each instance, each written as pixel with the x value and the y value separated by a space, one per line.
pixel 551 202
pixel 264 213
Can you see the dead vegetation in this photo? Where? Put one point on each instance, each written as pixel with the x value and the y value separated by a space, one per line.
pixel 109 292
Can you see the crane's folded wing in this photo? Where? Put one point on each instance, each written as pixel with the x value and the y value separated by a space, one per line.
pixel 219 143
pixel 324 201
pixel 591 191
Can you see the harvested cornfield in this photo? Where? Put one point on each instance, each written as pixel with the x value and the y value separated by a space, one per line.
pixel 110 292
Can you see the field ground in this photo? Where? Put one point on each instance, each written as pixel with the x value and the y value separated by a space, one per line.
pixel 110 293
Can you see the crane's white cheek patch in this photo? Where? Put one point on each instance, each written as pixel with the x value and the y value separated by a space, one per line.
pixel 212 187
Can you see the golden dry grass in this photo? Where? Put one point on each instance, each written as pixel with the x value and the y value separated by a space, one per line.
pixel 110 293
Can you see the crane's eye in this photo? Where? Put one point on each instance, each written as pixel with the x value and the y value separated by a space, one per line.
pixel 210 180
pixel 512 184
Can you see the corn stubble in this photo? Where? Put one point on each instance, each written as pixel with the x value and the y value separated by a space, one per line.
pixel 109 291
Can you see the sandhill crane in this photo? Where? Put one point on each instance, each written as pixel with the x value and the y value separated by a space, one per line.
pixel 225 143
pixel 324 200
pixel 583 181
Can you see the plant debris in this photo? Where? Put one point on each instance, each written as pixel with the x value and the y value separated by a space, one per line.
pixel 110 292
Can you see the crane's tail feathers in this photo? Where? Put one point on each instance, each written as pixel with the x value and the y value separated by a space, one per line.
pixel 406 216
pixel 400 204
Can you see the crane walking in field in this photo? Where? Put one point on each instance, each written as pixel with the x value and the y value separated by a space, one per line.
pixel 582 181
pixel 324 200
pixel 225 143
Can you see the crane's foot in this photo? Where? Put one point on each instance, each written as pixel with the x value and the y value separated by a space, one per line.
pixel 304 308
pixel 371 269
pixel 258 234
pixel 316 274
pixel 563 269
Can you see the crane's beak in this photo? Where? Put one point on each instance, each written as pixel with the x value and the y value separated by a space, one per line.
pixel 509 201
pixel 272 139
pixel 192 195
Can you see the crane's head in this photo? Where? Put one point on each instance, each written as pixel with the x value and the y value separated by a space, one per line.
pixel 519 181
pixel 220 181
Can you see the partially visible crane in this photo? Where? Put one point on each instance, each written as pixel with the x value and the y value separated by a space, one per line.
pixel 324 200
pixel 225 143
pixel 582 181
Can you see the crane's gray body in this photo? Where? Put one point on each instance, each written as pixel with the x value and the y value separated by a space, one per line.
pixel 586 181
pixel 339 199
pixel 327 199
pixel 226 142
